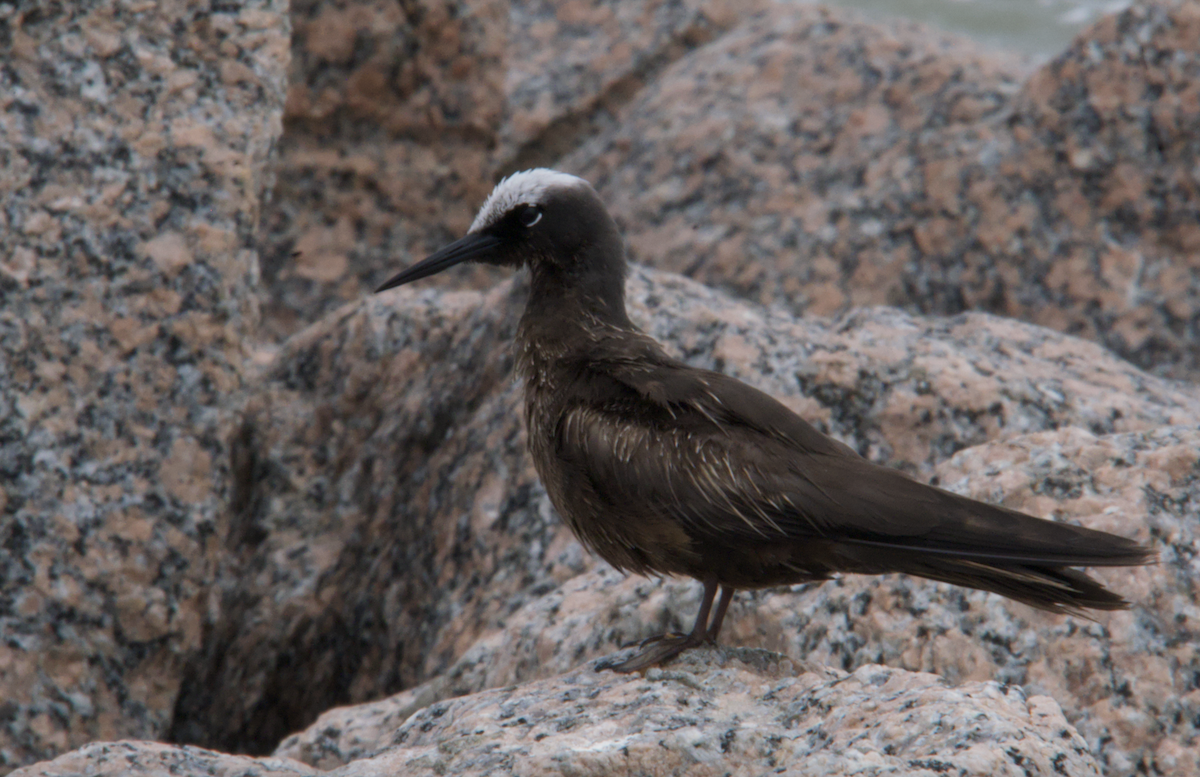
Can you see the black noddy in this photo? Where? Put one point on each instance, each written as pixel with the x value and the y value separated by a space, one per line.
pixel 666 469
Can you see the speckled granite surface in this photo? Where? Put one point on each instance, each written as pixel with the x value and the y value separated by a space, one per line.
pixel 402 536
pixel 573 65
pixel 713 712
pixel 819 162
pixel 1125 680
pixel 392 112
pixel 799 156
pixel 133 143
pixel 737 713
pixel 371 521
pixel 754 163
pixel 400 116
pixel 134 758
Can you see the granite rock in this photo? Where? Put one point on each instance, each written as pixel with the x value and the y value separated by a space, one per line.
pixel 713 712
pixel 391 116
pixel 1126 680
pixel 740 712
pixel 334 553
pixel 177 565
pixel 133 758
pixel 572 65
pixel 1099 230
pixel 400 117
pixel 133 149
pixel 391 519
pixel 754 163
pixel 817 161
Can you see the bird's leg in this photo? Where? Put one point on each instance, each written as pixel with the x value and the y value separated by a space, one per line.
pixel 666 647
pixel 701 622
pixel 719 615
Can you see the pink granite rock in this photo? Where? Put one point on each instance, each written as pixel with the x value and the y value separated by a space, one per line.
pixel 1126 680
pixel 814 160
pixel 391 519
pixel 572 64
pixel 737 713
pixel 391 115
pixel 384 528
pixel 133 758
pixel 132 171
pixel 400 117
pixel 726 712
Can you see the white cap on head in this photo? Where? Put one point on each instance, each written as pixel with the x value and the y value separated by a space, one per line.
pixel 528 187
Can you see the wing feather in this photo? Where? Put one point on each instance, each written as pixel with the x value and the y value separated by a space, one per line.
pixel 727 462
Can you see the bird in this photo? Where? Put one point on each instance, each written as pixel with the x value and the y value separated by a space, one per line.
pixel 665 469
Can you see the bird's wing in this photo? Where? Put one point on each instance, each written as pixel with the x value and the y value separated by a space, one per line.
pixel 723 402
pixel 727 461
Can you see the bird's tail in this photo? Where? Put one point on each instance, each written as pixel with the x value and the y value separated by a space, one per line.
pixel 1057 589
pixel 907 527
pixel 1000 550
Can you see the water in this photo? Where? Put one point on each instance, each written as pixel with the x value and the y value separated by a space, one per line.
pixel 1040 28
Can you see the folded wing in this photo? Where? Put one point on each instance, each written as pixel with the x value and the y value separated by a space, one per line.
pixel 730 463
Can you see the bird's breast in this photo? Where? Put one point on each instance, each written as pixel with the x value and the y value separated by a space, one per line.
pixel 609 524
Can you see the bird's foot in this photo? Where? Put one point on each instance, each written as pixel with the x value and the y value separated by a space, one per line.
pixel 659 638
pixel 660 650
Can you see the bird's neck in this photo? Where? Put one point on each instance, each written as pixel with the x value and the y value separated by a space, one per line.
pixel 567 318
pixel 588 284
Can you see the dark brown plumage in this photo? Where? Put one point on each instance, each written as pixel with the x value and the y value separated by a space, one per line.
pixel 662 468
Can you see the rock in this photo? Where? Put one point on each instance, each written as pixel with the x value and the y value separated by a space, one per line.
pixel 391 116
pixel 394 519
pixel 134 167
pixel 1100 232
pixel 573 65
pixel 755 163
pixel 739 712
pixel 400 117
pixel 180 564
pixel 1125 679
pixel 1128 678
pixel 816 161
pixel 339 461
pixel 152 759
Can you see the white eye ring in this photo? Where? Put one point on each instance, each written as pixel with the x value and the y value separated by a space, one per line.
pixel 536 219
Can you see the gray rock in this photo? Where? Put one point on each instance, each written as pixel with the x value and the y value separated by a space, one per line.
pixel 133 150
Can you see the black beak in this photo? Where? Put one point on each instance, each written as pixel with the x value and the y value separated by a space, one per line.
pixel 469 247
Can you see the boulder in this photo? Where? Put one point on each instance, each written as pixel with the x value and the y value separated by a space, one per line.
pixel 397 533
pixel 820 162
pixel 132 174
pixel 713 712
pixel 400 117
pixel 391 114
pixel 213 539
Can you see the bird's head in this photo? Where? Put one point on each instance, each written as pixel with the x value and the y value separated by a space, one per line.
pixel 551 222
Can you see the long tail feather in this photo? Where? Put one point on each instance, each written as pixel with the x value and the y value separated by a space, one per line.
pixel 1055 589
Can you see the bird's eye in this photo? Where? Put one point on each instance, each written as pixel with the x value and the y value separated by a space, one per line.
pixel 530 215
